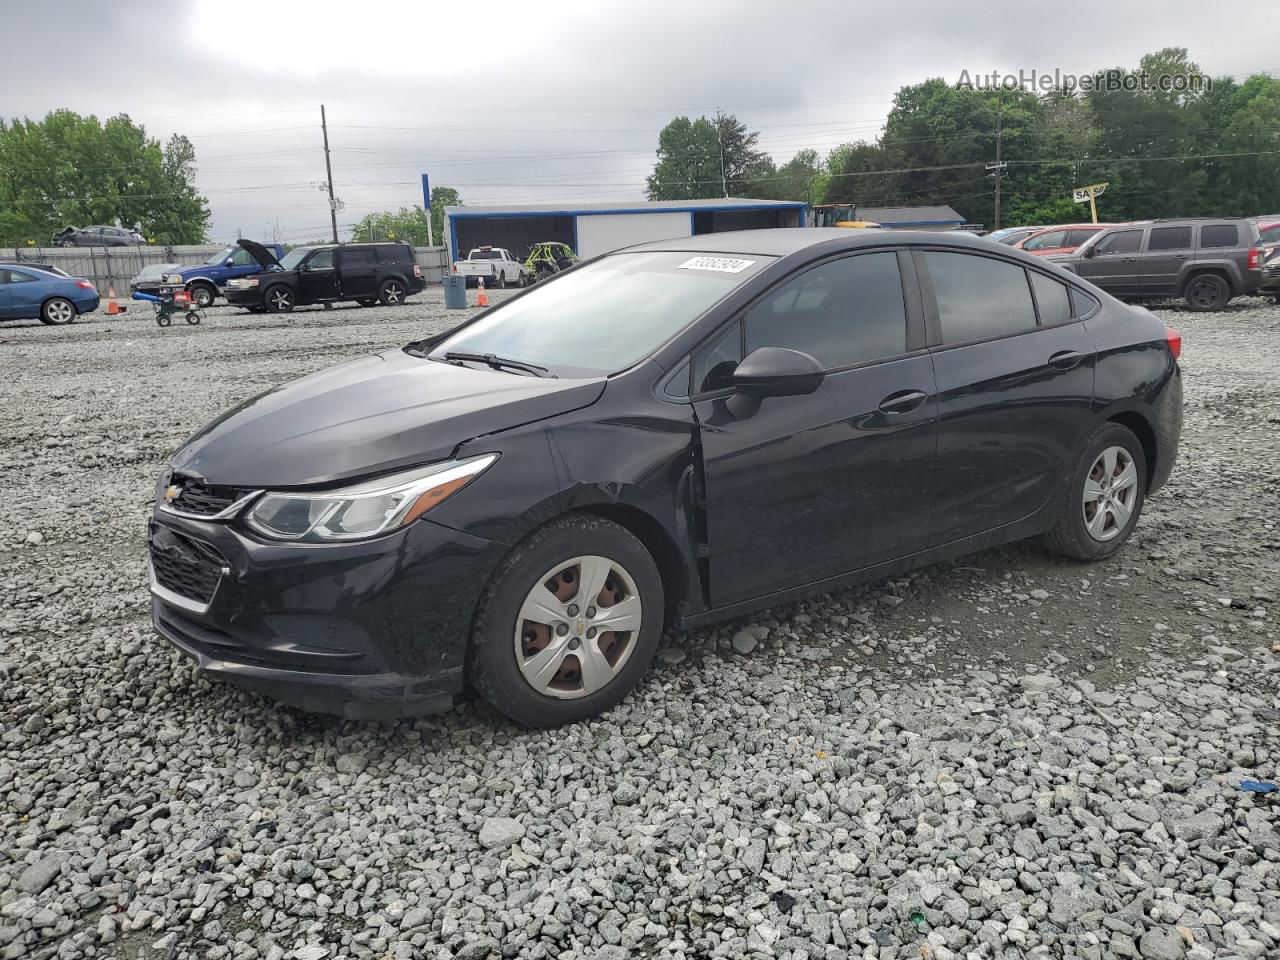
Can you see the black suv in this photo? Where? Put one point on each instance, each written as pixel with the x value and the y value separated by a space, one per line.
pixel 367 273
pixel 1207 261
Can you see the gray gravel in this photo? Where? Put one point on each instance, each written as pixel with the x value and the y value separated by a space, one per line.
pixel 1008 756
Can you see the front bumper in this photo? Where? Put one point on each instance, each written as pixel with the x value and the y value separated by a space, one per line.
pixel 243 296
pixel 374 629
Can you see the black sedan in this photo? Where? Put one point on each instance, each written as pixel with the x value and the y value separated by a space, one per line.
pixel 665 436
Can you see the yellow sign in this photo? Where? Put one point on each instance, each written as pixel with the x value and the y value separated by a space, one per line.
pixel 1089 195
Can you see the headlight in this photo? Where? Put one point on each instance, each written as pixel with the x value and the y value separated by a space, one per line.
pixel 365 510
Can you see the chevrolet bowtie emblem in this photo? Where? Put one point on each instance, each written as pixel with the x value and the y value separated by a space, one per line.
pixel 171 493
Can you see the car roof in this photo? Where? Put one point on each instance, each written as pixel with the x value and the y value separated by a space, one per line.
pixel 37 268
pixel 783 241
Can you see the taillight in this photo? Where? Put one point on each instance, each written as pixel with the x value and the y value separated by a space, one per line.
pixel 1174 339
pixel 1254 257
pixel 84 284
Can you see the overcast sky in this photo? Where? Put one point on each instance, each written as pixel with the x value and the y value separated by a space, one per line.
pixel 539 102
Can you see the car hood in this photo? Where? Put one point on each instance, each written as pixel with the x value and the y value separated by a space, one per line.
pixel 156 271
pixel 259 252
pixel 369 416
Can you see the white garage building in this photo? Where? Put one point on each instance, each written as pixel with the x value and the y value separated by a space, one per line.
pixel 595 228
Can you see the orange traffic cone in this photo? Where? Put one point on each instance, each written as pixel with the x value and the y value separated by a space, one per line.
pixel 482 298
pixel 112 307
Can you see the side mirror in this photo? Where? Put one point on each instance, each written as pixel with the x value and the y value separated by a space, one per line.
pixel 228 262
pixel 1089 252
pixel 777 372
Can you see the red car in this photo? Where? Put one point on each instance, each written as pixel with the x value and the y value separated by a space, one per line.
pixel 1062 238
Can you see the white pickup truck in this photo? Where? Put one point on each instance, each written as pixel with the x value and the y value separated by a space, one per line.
pixel 495 265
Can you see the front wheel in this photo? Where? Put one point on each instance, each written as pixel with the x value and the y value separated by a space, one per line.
pixel 57 311
pixel 1108 489
pixel 568 624
pixel 1207 292
pixel 279 299
pixel 391 293
pixel 202 295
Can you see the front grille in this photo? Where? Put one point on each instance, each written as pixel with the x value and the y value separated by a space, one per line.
pixel 1272 271
pixel 203 500
pixel 190 568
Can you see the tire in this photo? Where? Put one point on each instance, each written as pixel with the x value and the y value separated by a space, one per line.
pixel 501 282
pixel 279 299
pixel 1207 291
pixel 554 554
pixel 391 293
pixel 163 321
pixel 1071 536
pixel 57 312
pixel 367 301
pixel 202 295
pixel 193 318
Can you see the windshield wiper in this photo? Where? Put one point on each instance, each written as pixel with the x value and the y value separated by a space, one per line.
pixel 497 363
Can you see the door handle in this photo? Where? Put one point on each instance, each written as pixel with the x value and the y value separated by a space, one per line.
pixel 1065 359
pixel 904 401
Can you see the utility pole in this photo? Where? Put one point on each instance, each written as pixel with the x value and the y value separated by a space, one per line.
pixel 328 172
pixel 724 186
pixel 999 167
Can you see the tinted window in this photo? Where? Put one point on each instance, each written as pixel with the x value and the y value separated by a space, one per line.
pixel 1123 241
pixel 357 258
pixel 13 276
pixel 1052 299
pixel 394 254
pixel 1077 237
pixel 322 260
pixel 715 366
pixel 979 297
pixel 1169 238
pixel 1054 238
pixel 1082 304
pixel 1219 235
pixel 1269 235
pixel 843 312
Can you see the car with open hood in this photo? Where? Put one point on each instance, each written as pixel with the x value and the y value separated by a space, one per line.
pixel 206 280
pixel 666 436
pixel 367 273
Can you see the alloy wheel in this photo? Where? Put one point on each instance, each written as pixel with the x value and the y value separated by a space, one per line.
pixel 1110 492
pixel 59 311
pixel 392 293
pixel 281 299
pixel 577 627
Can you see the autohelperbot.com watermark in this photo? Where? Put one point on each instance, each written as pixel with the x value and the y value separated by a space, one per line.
pixel 1108 81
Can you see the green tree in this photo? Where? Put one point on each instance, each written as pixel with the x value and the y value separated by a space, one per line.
pixel 72 170
pixel 690 155
pixel 441 197
pixel 409 223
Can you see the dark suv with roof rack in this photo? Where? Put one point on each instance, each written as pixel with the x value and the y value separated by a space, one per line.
pixel 367 273
pixel 1204 260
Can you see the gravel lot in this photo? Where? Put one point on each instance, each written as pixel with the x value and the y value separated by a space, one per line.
pixel 1008 756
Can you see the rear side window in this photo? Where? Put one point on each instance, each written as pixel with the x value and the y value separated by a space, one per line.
pixel 394 253
pixel 13 276
pixel 842 312
pixel 1052 300
pixel 979 297
pixel 1122 241
pixel 357 258
pixel 1169 238
pixel 1081 303
pixel 1219 235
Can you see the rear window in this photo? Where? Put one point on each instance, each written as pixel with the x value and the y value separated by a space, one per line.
pixel 1219 235
pixel 1169 238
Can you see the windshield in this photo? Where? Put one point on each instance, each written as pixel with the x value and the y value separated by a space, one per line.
pixel 1271 234
pixel 294 257
pixel 603 317
pixel 220 256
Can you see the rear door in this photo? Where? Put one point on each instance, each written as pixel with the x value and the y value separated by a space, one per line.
pixel 802 488
pixel 1115 265
pixel 1015 388
pixel 357 272
pixel 317 278
pixel 1167 251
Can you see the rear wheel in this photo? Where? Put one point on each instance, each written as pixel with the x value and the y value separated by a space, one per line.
pixel 279 299
pixel 1108 489
pixel 202 295
pixel 391 293
pixel 1208 291
pixel 568 624
pixel 501 282
pixel 57 311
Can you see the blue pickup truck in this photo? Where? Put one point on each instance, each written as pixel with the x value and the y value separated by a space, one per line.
pixel 204 280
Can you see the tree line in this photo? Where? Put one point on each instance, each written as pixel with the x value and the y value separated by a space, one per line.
pixel 1210 149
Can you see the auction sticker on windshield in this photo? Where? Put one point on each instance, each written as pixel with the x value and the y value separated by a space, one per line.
pixel 718 264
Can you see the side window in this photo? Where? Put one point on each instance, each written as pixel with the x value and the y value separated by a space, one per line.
pixel 979 297
pixel 1052 299
pixel 843 312
pixel 1169 238
pixel 1082 304
pixel 393 254
pixel 13 276
pixel 1224 235
pixel 1122 241
pixel 1043 241
pixel 714 367
pixel 241 258
pixel 357 258
pixel 321 260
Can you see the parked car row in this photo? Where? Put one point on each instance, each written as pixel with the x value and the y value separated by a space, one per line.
pixel 204 281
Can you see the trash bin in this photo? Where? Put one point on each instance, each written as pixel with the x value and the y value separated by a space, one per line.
pixel 455 291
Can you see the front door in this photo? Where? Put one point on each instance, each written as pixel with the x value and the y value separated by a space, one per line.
pixel 1015 393
pixel 799 489
pixel 317 278
pixel 358 272
pixel 1115 265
